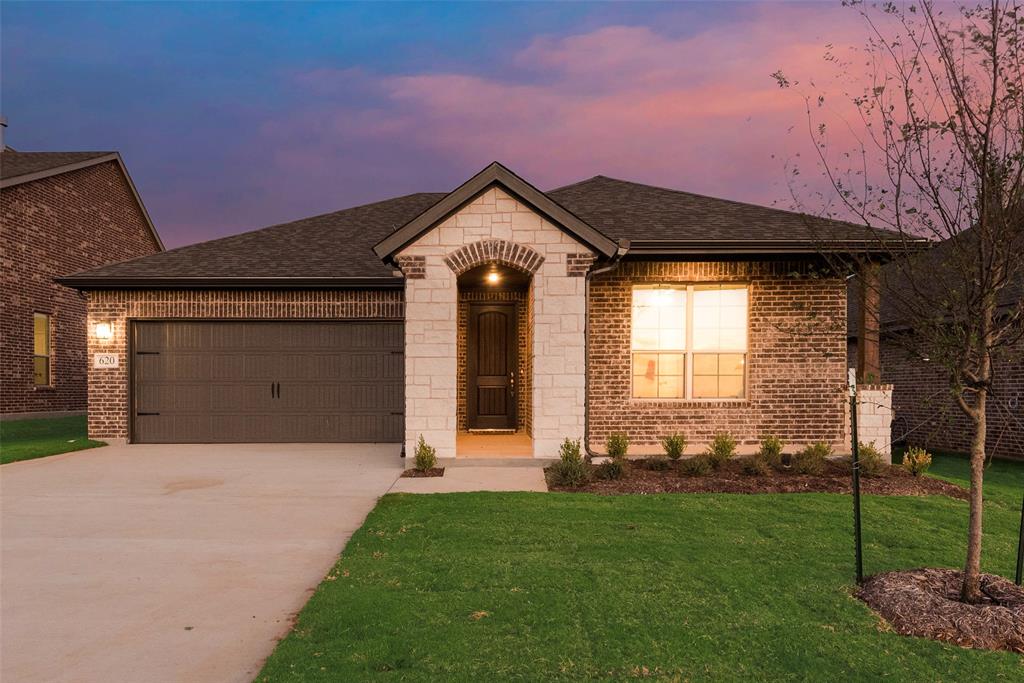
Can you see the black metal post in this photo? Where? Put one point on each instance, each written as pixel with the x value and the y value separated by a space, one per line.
pixel 858 553
pixel 1020 545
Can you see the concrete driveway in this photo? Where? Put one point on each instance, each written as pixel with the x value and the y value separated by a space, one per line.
pixel 171 563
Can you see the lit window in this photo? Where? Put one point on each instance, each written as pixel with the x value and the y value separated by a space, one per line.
pixel 720 326
pixel 659 342
pixel 689 342
pixel 41 349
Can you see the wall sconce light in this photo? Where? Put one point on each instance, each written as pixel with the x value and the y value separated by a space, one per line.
pixel 105 331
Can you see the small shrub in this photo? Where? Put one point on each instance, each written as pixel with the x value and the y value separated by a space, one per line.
pixel 617 445
pixel 611 469
pixel 426 456
pixel 674 445
pixel 722 447
pixel 872 463
pixel 755 466
pixel 771 451
pixel 570 470
pixel 916 461
pixel 811 460
pixel 657 464
pixel 697 466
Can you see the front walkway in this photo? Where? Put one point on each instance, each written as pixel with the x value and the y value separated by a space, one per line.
pixel 172 563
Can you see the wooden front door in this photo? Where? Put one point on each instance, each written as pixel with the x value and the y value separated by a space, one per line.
pixel 490 366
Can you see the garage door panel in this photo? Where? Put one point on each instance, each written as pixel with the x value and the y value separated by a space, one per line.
pixel 213 381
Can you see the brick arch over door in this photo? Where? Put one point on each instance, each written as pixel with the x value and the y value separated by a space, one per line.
pixel 518 256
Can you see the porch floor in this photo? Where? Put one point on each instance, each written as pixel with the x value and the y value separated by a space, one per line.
pixel 517 445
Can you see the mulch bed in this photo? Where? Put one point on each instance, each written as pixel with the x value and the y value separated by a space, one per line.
pixel 730 478
pixel 925 603
pixel 432 472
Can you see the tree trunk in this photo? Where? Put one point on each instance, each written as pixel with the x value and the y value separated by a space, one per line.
pixel 970 591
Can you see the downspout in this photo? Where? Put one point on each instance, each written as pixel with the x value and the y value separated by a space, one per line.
pixel 612 265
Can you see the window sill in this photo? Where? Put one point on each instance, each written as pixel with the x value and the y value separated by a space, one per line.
pixel 43 387
pixel 691 401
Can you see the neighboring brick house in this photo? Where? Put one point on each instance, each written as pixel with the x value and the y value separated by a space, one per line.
pixel 496 308
pixel 62 212
pixel 924 411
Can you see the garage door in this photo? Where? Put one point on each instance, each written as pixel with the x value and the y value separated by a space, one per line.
pixel 231 382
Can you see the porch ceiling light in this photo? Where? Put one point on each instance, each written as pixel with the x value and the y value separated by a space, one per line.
pixel 493 277
pixel 105 331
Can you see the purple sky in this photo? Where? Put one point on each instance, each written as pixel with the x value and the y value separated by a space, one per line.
pixel 232 117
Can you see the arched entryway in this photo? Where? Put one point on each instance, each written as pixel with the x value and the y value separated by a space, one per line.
pixel 495 348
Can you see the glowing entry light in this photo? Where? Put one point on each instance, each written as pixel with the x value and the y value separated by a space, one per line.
pixel 104 331
pixel 493 277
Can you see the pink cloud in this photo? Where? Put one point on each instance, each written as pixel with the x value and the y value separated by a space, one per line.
pixel 698 112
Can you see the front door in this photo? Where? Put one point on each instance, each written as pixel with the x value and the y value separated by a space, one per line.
pixel 490 366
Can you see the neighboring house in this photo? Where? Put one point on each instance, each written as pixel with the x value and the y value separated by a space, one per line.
pixel 597 307
pixel 62 212
pixel 924 411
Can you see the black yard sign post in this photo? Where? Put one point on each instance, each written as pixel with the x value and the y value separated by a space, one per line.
pixel 858 554
pixel 1020 545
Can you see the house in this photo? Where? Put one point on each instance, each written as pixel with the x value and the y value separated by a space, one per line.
pixel 924 411
pixel 62 212
pixel 496 308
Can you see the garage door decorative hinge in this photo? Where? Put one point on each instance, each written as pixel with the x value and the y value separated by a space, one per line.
pixel 147 353
pixel 145 414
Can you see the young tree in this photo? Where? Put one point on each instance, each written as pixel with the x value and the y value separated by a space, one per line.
pixel 932 119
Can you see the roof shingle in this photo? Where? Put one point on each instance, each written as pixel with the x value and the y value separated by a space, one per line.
pixel 340 244
pixel 14 164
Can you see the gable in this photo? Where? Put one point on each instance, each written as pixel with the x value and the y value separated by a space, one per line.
pixel 515 188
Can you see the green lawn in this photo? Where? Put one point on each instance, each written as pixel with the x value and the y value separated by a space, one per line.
pixel 684 587
pixel 27 439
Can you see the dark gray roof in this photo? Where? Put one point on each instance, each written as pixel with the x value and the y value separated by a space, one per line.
pixel 338 248
pixel 933 272
pixel 642 213
pixel 14 164
pixel 329 246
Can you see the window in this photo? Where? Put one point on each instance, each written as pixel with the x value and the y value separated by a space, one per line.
pixel 41 349
pixel 659 342
pixel 689 341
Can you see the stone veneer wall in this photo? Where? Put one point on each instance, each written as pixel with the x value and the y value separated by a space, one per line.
pixel 108 387
pixel 557 311
pixel 524 358
pixel 796 360
pixel 874 417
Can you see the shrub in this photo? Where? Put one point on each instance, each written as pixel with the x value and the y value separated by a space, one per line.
pixel 771 451
pixel 426 456
pixel 872 463
pixel 611 469
pixel 698 465
pixel 722 447
pixel 756 466
pixel 657 464
pixel 617 445
pixel 811 460
pixel 917 461
pixel 570 470
pixel 674 445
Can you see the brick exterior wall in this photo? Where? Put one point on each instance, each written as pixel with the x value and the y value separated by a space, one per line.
pixel 927 415
pixel 556 310
pixel 524 359
pixel 108 387
pixel 53 227
pixel 796 360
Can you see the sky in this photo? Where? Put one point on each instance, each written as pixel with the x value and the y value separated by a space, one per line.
pixel 231 117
